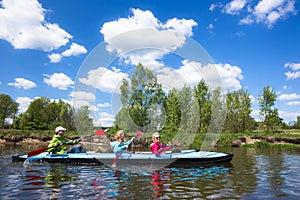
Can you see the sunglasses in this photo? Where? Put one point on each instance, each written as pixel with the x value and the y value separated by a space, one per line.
pixel 157 138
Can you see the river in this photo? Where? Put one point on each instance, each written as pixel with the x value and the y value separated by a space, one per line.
pixel 254 173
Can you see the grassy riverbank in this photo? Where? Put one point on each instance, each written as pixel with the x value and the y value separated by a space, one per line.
pixel 290 138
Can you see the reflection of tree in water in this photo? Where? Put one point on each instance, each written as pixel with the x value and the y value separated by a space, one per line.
pixel 257 169
pixel 272 167
pixel 58 176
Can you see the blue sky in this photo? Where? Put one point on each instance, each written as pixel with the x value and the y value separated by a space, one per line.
pixel 79 51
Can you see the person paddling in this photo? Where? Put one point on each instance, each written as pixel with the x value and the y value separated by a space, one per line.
pixel 120 145
pixel 58 143
pixel 157 148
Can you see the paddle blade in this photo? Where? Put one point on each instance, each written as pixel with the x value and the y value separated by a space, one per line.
pixel 99 132
pixel 36 152
pixel 32 160
pixel 139 133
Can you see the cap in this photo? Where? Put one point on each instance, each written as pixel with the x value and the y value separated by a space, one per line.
pixel 59 128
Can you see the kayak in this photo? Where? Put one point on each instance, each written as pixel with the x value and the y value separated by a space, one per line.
pixel 190 158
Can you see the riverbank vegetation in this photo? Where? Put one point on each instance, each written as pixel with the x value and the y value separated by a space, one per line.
pixel 288 138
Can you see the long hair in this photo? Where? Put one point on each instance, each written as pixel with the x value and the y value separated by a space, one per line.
pixel 118 136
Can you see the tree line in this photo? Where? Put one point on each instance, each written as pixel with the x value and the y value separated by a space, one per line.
pixel 193 110
pixel 146 107
pixel 43 114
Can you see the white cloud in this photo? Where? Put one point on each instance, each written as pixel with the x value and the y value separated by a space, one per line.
pixel 152 40
pixel 215 75
pixel 289 116
pixel 24 103
pixel 265 11
pixel 234 7
pixel 215 5
pixel 145 33
pixel 58 80
pixel 252 98
pixel 23 83
pixel 256 115
pixel 83 98
pixel 288 97
pixel 22 24
pixel 55 57
pixel 210 28
pixel 293 103
pixel 269 11
pixel 105 119
pixel 104 79
pixel 103 105
pixel 293 66
pixel 74 50
pixel 292 75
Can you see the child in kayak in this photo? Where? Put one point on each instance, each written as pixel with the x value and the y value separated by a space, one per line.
pixel 120 145
pixel 58 143
pixel 157 148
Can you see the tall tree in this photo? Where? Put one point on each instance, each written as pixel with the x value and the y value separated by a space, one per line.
pixel 202 97
pixel 268 113
pixel 238 105
pixel 297 123
pixel 247 122
pixel 8 108
pixel 185 98
pixel 173 112
pixel 217 112
pixel 144 99
pixel 84 123
pixel 66 116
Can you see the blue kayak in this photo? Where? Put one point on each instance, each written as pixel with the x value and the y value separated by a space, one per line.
pixel 184 158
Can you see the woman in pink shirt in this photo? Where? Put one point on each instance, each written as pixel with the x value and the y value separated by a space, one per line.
pixel 156 147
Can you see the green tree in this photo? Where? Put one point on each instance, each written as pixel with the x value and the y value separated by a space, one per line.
pixel 37 115
pixel 66 116
pixel 297 123
pixel 217 112
pixel 268 113
pixel 143 100
pixel 44 114
pixel 83 121
pixel 185 98
pixel 238 105
pixel 202 97
pixel 173 112
pixel 8 108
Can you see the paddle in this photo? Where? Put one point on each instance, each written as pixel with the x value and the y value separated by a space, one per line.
pixel 114 163
pixel 41 150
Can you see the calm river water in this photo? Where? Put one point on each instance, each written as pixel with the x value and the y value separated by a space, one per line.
pixel 254 173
